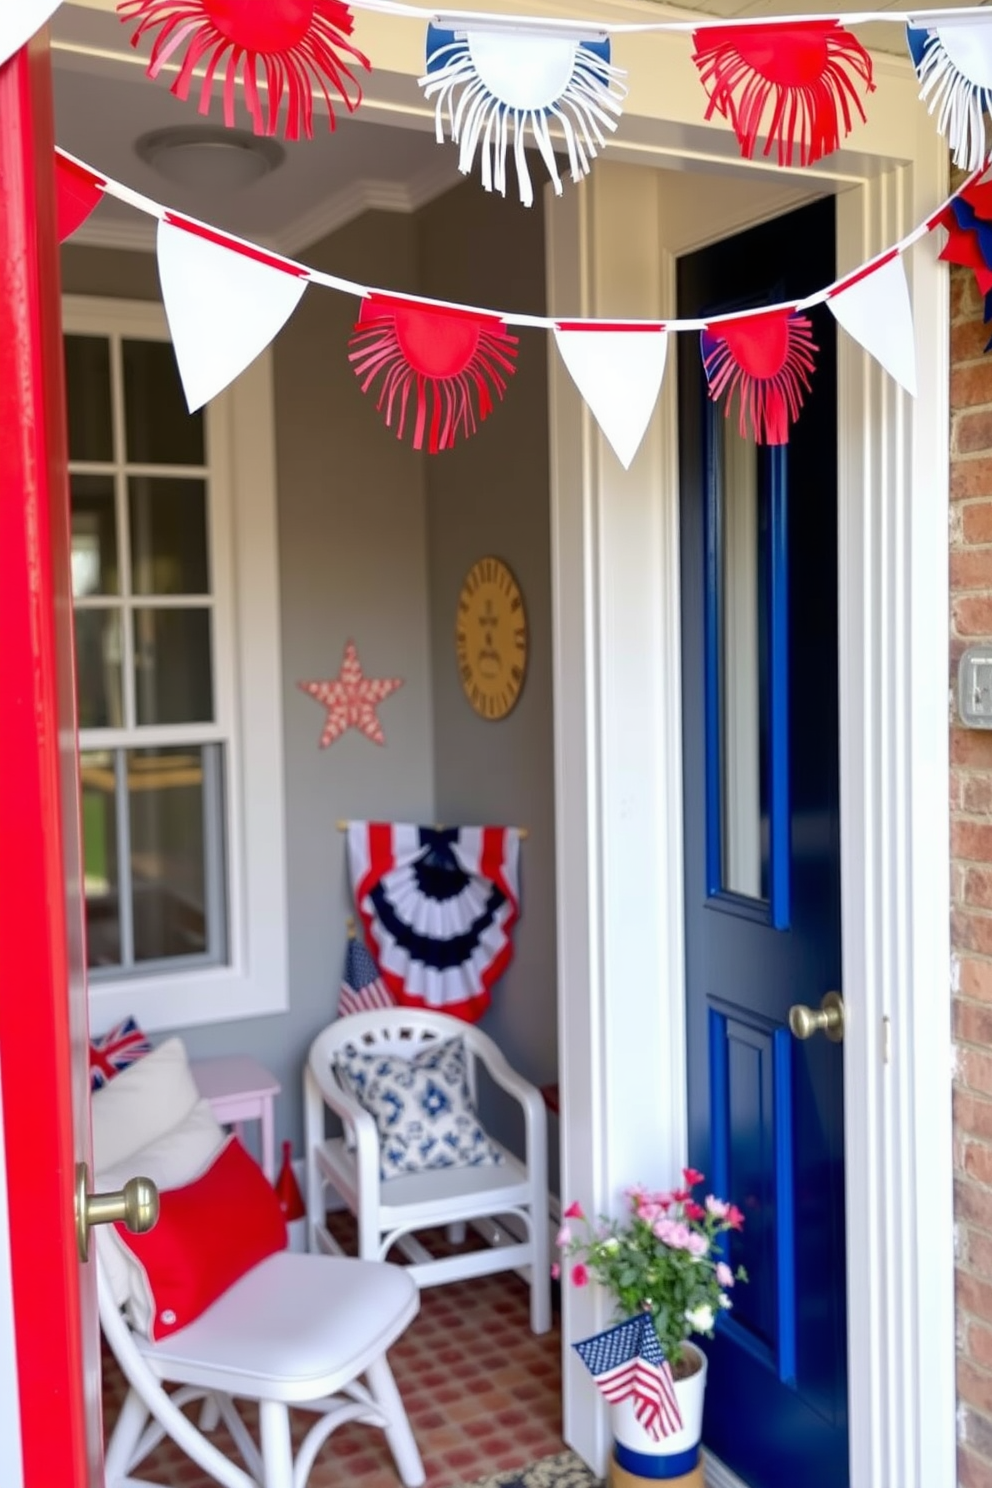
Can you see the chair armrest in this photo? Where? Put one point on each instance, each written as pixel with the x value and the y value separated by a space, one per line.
pixel 529 1097
pixel 504 1075
pixel 355 1117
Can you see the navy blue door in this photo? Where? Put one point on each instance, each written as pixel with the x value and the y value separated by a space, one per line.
pixel 762 872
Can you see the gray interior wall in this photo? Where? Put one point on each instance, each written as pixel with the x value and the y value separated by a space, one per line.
pixel 352 565
pixel 109 273
pixel 490 496
pixel 374 541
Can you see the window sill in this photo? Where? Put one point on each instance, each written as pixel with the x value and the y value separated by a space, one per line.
pixel 217 994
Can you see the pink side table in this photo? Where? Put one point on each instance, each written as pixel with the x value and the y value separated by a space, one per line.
pixel 240 1089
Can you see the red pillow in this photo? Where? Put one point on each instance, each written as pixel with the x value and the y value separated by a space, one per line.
pixel 207 1236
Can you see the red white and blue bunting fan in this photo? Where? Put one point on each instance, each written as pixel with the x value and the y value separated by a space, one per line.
pixel 953 59
pixel 493 82
pixel 284 49
pixel 438 907
pixel 968 220
pixel 764 360
pixel 797 82
pixel 439 366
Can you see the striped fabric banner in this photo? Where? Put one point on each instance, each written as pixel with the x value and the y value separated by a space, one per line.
pixel 438 908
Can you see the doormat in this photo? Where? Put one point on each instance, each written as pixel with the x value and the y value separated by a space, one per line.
pixel 566 1470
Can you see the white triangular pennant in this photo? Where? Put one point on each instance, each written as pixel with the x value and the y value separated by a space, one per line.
pixel 223 307
pixel 618 372
pixel 19 20
pixel 876 311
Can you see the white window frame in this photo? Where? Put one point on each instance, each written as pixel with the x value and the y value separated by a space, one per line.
pixel 240 438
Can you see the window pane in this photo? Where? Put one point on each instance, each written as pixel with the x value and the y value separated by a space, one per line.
pixel 103 927
pixel 87 389
pixel 743 683
pixel 98 668
pixel 158 426
pixel 94 535
pixel 176 852
pixel 168 536
pixel 173 676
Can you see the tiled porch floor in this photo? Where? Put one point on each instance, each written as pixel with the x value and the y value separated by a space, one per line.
pixel 482 1393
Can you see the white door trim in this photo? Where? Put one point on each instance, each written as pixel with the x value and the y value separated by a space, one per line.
pixel 611 252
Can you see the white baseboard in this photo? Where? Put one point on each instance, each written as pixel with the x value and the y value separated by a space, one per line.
pixel 718 1475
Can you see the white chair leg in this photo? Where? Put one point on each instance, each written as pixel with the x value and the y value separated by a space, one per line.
pixel 455 1233
pixel 277 1447
pixel 406 1455
pixel 124 1438
pixel 313 1134
pixel 540 1271
pixel 209 1413
pixel 368 1238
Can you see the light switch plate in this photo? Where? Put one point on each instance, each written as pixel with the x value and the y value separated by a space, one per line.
pixel 975 687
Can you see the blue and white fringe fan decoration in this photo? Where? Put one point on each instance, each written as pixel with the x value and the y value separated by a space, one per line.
pixel 953 60
pixel 493 81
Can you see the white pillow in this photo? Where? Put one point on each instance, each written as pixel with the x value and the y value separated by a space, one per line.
pixel 149 1098
pixel 171 1161
pixel 421 1106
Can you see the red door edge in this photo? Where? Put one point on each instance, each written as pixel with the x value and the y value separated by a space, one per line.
pixel 35 669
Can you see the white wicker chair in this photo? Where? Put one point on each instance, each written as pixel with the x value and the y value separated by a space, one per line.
pixel 390 1212
pixel 296 1330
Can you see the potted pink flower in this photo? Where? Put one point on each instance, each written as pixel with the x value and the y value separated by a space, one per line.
pixel 663 1261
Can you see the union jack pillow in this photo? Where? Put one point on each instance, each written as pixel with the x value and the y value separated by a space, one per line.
pixel 115 1050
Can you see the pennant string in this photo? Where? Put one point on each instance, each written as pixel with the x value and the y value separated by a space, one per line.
pixel 464 19
pixel 152 208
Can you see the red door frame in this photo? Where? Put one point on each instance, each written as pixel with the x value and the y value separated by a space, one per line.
pixel 42 999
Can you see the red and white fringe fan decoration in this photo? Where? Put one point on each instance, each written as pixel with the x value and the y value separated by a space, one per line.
pixel 800 77
pixel 447 362
pixel 766 360
pixel 292 46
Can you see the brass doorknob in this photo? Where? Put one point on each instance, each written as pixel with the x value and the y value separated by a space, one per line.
pixel 828 1018
pixel 135 1206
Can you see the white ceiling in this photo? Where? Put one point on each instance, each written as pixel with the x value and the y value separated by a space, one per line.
pixel 104 103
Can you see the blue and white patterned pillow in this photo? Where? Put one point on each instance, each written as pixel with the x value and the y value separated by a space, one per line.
pixel 421 1107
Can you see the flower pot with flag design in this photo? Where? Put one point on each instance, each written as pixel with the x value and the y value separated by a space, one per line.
pixel 656 1420
pixel 667 1264
pixel 663 1458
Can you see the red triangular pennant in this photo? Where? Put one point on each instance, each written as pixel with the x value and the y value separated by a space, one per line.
pixel 77 192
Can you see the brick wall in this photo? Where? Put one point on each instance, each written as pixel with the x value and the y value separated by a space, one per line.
pixel 971 877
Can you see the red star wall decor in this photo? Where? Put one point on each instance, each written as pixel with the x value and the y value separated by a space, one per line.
pixel 351 699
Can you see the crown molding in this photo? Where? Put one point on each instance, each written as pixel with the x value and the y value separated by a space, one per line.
pixel 344 206
pixel 718 1475
pixel 321 220
pixel 131 237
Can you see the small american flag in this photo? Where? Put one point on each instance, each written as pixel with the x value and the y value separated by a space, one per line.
pixel 627 1364
pixel 114 1051
pixel 361 988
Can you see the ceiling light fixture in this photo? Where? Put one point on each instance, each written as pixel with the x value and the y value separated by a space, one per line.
pixel 208 159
